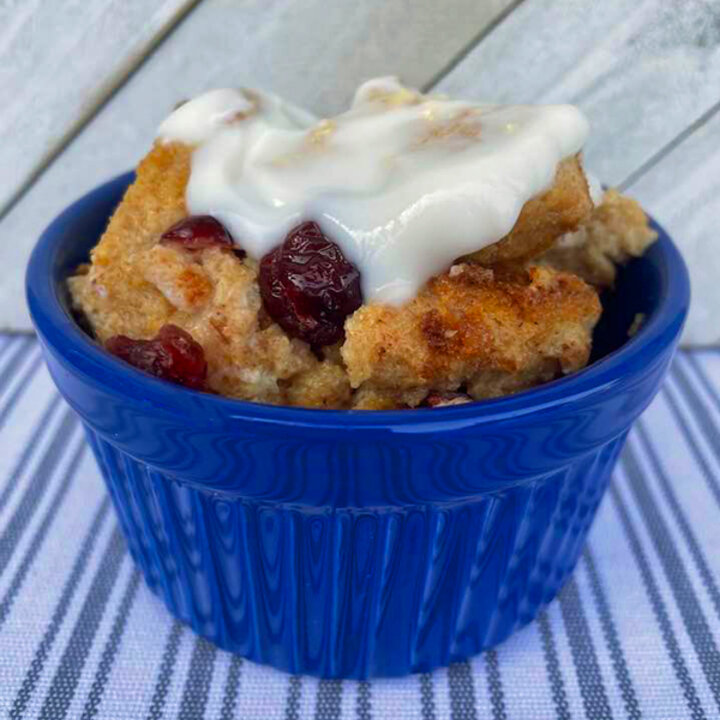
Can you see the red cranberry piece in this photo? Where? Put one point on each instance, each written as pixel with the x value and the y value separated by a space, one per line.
pixel 198 232
pixel 308 287
pixel 171 355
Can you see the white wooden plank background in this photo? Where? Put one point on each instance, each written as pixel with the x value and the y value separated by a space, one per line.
pixel 647 73
pixel 59 60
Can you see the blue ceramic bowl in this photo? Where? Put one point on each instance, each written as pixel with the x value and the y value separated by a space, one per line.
pixel 355 544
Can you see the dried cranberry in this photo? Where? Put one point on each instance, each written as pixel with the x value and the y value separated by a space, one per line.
pixel 171 355
pixel 198 232
pixel 308 286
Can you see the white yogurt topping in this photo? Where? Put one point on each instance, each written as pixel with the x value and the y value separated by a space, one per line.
pixel 403 183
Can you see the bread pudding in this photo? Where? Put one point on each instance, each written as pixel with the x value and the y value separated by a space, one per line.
pixel 412 251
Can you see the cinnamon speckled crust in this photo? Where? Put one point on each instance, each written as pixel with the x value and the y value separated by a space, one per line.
pixel 489 332
pixel 470 328
pixel 114 293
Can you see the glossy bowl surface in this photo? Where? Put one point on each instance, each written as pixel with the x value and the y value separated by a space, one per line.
pixel 355 543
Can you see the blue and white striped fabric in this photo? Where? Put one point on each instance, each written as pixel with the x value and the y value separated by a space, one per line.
pixel 634 634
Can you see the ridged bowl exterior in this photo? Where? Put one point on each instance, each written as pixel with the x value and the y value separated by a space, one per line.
pixel 351 592
pixel 351 544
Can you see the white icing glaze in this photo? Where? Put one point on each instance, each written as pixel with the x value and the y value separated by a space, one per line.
pixel 404 183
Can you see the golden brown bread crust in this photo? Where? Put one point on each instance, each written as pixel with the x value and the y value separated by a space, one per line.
pixel 115 295
pixel 473 329
pixel 544 218
pixel 615 231
pixel 491 332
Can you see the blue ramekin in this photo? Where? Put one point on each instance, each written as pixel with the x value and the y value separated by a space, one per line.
pixel 354 544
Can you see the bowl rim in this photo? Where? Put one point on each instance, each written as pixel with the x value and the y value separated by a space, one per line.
pixel 58 330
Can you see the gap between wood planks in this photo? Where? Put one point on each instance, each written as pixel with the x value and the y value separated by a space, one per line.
pixel 464 52
pixel 635 175
pixel 113 86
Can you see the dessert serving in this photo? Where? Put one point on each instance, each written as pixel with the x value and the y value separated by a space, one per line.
pixel 412 251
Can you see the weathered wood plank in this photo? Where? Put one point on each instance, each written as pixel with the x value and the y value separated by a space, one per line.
pixel 683 190
pixel 314 53
pixel 642 71
pixel 58 61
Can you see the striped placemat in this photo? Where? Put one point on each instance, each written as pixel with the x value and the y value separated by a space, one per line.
pixel 634 634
